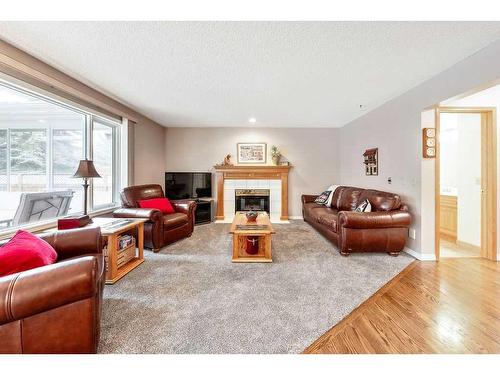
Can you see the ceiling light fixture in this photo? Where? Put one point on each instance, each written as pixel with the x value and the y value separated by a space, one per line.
pixel 252 120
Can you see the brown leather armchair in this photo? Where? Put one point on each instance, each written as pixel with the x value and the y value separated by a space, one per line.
pixel 160 229
pixel 56 308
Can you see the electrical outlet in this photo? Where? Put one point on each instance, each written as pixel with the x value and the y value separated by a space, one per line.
pixel 412 233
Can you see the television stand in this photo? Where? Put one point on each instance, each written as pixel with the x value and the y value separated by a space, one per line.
pixel 203 213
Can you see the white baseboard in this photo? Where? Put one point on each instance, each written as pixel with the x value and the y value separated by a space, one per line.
pixel 273 221
pixel 276 220
pixel 420 256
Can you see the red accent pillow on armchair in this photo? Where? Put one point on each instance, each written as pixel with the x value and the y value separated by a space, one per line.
pixel 23 252
pixel 162 204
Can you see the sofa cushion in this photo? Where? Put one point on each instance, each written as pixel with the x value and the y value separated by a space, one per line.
pixel 346 198
pixel 311 207
pixel 133 194
pixel 162 204
pixel 315 212
pixel 175 220
pixel 328 218
pixel 23 252
pixel 332 188
pixel 381 200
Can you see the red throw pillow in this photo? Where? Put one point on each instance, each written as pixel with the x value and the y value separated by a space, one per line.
pixel 162 204
pixel 23 252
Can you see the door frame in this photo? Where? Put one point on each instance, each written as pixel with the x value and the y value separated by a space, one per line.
pixel 488 178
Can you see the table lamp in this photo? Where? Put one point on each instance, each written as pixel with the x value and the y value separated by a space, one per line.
pixel 85 170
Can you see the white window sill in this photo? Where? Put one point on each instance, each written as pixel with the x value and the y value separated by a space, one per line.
pixel 44 225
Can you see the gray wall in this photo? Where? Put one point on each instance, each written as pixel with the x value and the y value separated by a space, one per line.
pixel 149 153
pixel 313 153
pixel 395 128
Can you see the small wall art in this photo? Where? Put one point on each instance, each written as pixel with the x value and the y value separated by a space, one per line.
pixel 371 161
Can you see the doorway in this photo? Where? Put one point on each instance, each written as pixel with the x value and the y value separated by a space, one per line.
pixel 465 182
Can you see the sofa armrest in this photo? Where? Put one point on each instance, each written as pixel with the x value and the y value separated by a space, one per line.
pixel 75 242
pixel 151 214
pixel 185 206
pixel 308 198
pixel 374 220
pixel 44 288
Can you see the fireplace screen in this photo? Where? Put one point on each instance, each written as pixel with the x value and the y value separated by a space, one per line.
pixel 252 200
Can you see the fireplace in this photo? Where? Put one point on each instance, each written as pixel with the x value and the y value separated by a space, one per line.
pixel 251 200
pixel 233 177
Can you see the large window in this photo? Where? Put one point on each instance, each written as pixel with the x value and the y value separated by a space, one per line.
pixel 41 142
pixel 103 144
pixel 3 160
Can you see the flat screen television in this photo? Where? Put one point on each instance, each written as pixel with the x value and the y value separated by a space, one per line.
pixel 188 185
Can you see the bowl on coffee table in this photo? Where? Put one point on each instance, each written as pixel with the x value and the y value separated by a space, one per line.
pixel 251 216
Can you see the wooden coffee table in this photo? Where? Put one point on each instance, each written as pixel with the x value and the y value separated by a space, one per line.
pixel 262 230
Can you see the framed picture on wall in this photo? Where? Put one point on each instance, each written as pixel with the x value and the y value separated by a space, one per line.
pixel 251 153
pixel 371 162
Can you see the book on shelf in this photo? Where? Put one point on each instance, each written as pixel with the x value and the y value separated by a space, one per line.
pixel 125 241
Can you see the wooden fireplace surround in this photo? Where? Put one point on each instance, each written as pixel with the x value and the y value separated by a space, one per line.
pixel 252 172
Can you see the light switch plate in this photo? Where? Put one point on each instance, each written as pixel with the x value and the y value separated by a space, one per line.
pixel 412 233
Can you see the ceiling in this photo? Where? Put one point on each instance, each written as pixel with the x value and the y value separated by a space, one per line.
pixel 489 97
pixel 283 74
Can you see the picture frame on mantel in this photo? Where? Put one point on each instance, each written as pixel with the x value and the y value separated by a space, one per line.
pixel 251 153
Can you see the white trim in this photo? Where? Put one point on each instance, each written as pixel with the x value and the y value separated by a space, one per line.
pixel 420 256
pixel 116 135
pixel 296 217
pixel 124 156
pixel 274 187
pixel 40 93
pixel 43 225
pixel 229 220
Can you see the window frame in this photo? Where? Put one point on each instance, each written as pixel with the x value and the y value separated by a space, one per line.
pixel 89 115
pixel 116 175
pixel 7 164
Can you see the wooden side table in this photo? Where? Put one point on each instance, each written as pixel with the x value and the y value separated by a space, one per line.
pixel 112 229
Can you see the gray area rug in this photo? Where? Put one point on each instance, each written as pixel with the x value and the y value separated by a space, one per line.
pixel 190 298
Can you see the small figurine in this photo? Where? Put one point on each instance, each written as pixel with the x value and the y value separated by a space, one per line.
pixel 227 160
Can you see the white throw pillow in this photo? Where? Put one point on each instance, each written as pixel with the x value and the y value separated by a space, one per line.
pixel 332 188
pixel 365 206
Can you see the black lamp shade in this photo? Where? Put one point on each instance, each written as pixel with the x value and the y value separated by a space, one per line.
pixel 86 169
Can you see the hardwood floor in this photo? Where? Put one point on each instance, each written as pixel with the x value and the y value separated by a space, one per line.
pixel 453 250
pixel 452 306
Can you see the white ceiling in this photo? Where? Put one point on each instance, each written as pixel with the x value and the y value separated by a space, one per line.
pixel 489 97
pixel 285 74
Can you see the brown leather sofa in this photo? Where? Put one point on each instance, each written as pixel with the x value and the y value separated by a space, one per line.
pixel 385 229
pixel 160 229
pixel 56 308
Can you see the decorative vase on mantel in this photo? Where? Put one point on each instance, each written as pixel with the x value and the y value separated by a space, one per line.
pixel 276 155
